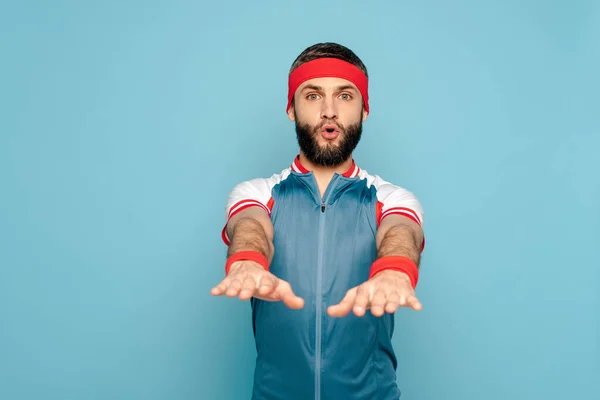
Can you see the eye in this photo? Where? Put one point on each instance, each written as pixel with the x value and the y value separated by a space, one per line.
pixel 346 96
pixel 312 96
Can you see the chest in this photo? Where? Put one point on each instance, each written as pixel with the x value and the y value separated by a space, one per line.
pixel 332 235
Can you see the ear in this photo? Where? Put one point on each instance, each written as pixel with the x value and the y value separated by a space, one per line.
pixel 365 114
pixel 291 114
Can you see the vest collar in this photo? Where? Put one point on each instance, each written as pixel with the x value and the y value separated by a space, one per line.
pixel 298 167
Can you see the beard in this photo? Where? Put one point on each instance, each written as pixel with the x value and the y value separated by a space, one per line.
pixel 328 155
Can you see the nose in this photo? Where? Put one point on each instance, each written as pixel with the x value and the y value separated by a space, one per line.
pixel 328 109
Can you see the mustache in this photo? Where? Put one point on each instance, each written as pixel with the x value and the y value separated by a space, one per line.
pixel 329 122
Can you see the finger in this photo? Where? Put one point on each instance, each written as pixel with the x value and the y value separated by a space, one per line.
pixel 234 287
pixel 414 303
pixel 408 299
pixel 378 303
pixel 393 302
pixel 220 288
pixel 285 293
pixel 361 303
pixel 249 286
pixel 345 306
pixel 267 284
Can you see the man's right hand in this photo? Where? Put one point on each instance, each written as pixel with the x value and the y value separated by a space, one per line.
pixel 249 279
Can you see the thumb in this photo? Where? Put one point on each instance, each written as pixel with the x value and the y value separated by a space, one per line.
pixel 285 293
pixel 345 305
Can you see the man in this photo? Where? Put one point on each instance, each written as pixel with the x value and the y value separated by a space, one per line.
pixel 319 243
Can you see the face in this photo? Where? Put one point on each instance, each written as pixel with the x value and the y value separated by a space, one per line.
pixel 328 114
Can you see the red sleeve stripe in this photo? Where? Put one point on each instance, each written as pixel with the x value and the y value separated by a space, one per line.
pixel 243 204
pixel 403 211
pixel 224 236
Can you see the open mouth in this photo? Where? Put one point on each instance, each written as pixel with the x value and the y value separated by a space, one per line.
pixel 330 131
pixel 330 128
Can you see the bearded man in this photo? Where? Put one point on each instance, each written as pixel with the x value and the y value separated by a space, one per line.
pixel 325 252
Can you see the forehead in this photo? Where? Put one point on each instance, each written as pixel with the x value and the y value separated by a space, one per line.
pixel 328 84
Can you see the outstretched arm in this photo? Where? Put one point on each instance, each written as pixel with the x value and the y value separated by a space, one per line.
pixel 251 230
pixel 399 236
pixel 399 245
pixel 250 234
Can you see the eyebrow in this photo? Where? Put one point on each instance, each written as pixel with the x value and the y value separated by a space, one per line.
pixel 344 87
pixel 320 88
pixel 312 87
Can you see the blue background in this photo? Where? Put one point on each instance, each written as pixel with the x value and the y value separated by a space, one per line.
pixel 124 126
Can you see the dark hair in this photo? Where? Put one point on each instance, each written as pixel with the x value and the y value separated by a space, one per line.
pixel 329 50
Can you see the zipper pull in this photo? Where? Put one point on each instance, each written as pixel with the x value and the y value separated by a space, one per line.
pixel 323 207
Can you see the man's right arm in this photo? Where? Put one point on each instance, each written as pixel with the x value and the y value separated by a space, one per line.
pixel 251 230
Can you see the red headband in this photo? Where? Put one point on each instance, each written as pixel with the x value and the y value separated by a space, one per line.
pixel 328 67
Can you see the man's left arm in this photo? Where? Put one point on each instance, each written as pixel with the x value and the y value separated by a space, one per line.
pixel 394 274
pixel 400 236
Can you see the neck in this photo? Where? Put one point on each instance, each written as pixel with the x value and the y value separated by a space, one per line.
pixel 322 174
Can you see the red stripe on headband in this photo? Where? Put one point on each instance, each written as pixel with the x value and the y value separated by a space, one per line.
pixel 328 67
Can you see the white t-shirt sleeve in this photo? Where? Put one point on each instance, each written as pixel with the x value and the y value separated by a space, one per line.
pixel 393 199
pixel 252 193
pixel 256 192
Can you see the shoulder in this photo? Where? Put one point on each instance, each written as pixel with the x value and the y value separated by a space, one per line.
pixel 381 186
pixel 254 192
pixel 260 186
pixel 393 198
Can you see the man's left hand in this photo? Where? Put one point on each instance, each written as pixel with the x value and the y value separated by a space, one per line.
pixel 385 292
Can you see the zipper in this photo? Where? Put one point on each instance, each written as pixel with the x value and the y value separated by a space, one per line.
pixel 318 304
pixel 319 291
